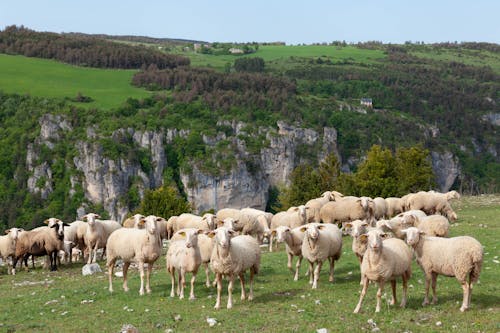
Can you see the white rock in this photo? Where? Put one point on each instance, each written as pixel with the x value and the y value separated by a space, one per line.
pixel 321 330
pixel 211 321
pixel 51 302
pixel 177 317
pixel 317 302
pixel 438 323
pixel 119 274
pixel 91 269
pixel 64 313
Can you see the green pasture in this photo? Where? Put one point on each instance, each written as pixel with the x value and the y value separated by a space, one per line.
pixel 65 301
pixel 279 53
pixel 465 56
pixel 48 78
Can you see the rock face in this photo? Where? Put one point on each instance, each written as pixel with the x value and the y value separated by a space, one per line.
pixel 446 169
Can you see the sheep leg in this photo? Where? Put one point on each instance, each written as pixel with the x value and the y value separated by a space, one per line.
pixel 465 305
pixel 148 275
pixel 242 282
pixel 207 275
pixel 470 293
pixel 250 292
pixel 271 243
pixel 218 279
pixel 230 291
pixel 125 270
pixel 379 295
pixel 182 282
pixel 179 282
pixel 290 261
pixel 362 295
pixel 94 259
pixel 311 272
pixel 141 273
pixel 427 285
pixel 53 261
pixel 172 277
pixel 89 250
pixel 332 266
pixel 405 289
pixel 317 270
pixel 297 268
pixel 393 287
pixel 111 266
pixel 434 295
pixel 191 293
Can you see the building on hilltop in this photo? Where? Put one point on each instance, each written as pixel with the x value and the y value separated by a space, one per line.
pixel 367 102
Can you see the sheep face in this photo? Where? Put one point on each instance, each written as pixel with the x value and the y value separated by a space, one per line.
pixel 412 235
pixel 137 218
pixel 13 233
pixel 357 227
pixel 231 224
pixel 374 238
pixel 210 220
pixel 149 223
pixel 191 236
pixel 328 195
pixel 312 231
pixel 58 225
pixel 281 233
pixel 222 237
pixel 90 218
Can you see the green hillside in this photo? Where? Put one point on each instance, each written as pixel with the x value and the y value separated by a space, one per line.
pixel 48 78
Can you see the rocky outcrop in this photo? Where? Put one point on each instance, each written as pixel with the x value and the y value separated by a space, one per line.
pixel 446 169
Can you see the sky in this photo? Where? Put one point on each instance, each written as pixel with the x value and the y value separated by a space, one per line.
pixel 293 22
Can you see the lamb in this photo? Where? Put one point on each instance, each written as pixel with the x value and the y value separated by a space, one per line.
pixel 8 246
pixel 461 257
pixel 206 222
pixel 138 245
pixel 346 210
pixel 206 246
pixel 379 208
pixel 232 257
pixel 44 241
pixel 394 206
pixel 294 217
pixel 293 240
pixel 384 260
pixel 132 221
pixel 321 242
pixel 184 255
pixel 75 233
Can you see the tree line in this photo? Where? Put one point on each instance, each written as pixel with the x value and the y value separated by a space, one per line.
pixel 83 50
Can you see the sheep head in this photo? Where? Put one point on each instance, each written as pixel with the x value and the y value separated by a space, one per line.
pixel 374 239
pixel 190 235
pixel 412 235
pixel 90 218
pixel 210 220
pixel 357 227
pixel 149 223
pixel 222 237
pixel 281 233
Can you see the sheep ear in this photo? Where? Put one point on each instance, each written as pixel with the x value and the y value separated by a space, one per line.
pixel 364 224
pixel 97 216
pixel 303 229
pixel 84 217
pixel 388 225
pixel 211 234
pixel 348 225
pixel 141 222
pixel 273 232
pixel 363 238
pixel 321 227
pixel 421 232
pixel 232 232
pixel 295 209
pixel 65 224
pixel 182 233
pixel 46 221
pixel 199 231
pixel 404 231
pixel 7 231
pixel 236 221
pixel 308 208
pixel 55 225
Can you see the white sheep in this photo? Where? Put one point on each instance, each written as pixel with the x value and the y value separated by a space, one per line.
pixel 206 222
pixel 432 225
pixel 252 222
pixel 224 213
pixel 95 236
pixel 346 210
pixel 384 260
pixel 394 206
pixel 321 242
pixel 293 240
pixel 8 246
pixel 431 203
pixel 134 245
pixel 461 257
pixel 133 221
pixel 316 204
pixel 185 257
pixel 231 257
pixel 379 208
pixel 294 217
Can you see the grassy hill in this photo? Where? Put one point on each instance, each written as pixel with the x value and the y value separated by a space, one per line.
pixel 48 78
pixel 67 301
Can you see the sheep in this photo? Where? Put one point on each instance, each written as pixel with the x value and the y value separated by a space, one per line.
pixel 380 208
pixel 431 203
pixel 170 225
pixel 394 206
pixel 346 210
pixel 316 204
pixel 232 257
pixel 384 260
pixel 95 236
pixel 8 246
pixel 251 222
pixel 206 222
pixel 432 225
pixel 43 241
pixel 321 242
pixel 294 217
pixel 138 245
pixel 357 228
pixel 224 213
pixel 461 257
pixel 184 256
pixel 75 233
pixel 206 246
pixel 132 221
pixel 293 240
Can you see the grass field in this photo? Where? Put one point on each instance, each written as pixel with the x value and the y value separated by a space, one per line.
pixel 273 53
pixel 47 78
pixel 40 301
pixel 468 57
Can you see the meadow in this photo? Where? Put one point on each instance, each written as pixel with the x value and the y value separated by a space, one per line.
pixel 66 301
pixel 48 78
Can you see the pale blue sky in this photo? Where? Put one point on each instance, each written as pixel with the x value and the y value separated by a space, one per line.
pixel 291 21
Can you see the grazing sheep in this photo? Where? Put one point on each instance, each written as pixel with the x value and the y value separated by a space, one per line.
pixel 321 242
pixel 232 257
pixel 293 218
pixel 379 208
pixel 293 240
pixel 138 245
pixel 346 210
pixel 394 206
pixel 43 241
pixel 431 203
pixel 184 256
pixel 8 246
pixel 133 221
pixel 206 222
pixel 461 257
pixel 384 260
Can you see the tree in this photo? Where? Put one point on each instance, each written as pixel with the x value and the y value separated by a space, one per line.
pixel 253 64
pixel 164 201
pixel 305 184
pixel 329 173
pixel 413 170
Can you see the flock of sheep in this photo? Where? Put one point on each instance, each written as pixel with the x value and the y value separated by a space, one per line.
pixel 386 233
